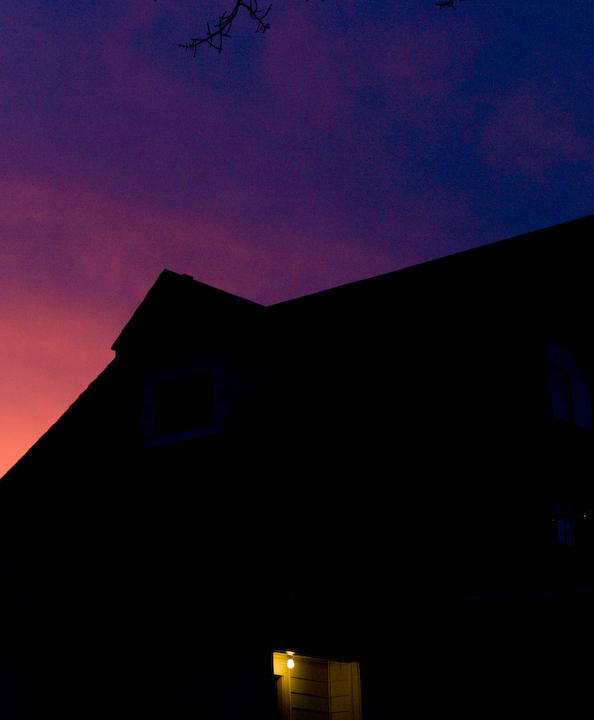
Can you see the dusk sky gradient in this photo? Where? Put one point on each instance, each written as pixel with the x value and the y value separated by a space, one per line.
pixel 352 139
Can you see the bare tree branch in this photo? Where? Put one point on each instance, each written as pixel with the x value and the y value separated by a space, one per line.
pixel 447 3
pixel 214 36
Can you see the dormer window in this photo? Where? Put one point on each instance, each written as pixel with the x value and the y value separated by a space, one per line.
pixel 570 397
pixel 183 403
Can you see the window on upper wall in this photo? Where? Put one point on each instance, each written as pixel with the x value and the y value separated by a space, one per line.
pixel 565 524
pixel 570 396
pixel 183 403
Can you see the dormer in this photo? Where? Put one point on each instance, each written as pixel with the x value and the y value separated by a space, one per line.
pixel 197 349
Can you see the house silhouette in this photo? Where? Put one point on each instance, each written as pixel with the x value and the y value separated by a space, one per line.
pixel 388 483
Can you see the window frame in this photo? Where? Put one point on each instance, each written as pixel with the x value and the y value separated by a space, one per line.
pixel 561 367
pixel 172 414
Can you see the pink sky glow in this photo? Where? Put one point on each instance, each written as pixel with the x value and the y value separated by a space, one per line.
pixel 352 139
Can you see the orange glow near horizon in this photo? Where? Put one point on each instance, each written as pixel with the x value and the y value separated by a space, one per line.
pixel 50 356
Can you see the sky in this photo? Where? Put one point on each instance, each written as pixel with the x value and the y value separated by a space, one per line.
pixel 350 140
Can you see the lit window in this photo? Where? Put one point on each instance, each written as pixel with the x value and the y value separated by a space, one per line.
pixel 570 397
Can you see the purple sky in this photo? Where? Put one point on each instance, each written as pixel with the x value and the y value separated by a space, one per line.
pixel 352 139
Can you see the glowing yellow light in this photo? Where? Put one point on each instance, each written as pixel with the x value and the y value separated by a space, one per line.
pixel 290 661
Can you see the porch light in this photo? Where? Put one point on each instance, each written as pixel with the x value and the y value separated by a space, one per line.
pixel 290 661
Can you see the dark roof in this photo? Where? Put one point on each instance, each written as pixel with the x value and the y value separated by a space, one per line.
pixel 180 309
pixel 180 313
pixel 560 247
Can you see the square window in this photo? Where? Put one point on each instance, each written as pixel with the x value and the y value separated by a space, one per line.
pixel 183 403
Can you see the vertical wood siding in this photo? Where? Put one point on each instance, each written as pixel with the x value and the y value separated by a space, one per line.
pixel 318 689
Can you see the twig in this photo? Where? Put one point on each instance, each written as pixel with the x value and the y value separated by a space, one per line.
pixel 214 37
